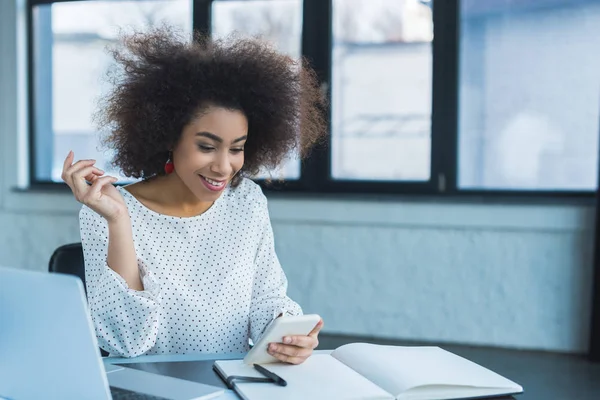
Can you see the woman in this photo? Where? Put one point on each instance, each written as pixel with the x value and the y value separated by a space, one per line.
pixel 183 261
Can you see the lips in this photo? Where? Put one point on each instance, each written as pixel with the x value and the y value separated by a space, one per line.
pixel 212 184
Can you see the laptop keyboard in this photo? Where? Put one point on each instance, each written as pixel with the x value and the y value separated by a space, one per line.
pixel 124 394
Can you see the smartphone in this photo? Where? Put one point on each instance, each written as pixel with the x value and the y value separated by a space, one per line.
pixel 280 327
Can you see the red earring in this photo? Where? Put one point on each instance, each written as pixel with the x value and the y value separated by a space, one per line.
pixel 169 167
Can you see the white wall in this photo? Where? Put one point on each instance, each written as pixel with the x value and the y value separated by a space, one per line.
pixel 515 276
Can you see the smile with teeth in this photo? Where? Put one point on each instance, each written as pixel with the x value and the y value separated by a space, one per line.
pixel 213 182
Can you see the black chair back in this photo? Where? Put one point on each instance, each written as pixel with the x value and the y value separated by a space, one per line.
pixel 68 259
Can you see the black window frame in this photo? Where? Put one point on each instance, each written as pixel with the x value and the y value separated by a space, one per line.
pixel 594 340
pixel 315 177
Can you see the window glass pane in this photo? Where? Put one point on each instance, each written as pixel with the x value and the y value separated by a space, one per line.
pixel 277 21
pixel 69 40
pixel 529 94
pixel 381 89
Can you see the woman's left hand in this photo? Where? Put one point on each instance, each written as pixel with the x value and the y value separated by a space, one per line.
pixel 296 349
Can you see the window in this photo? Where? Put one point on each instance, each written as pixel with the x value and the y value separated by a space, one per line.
pixel 448 97
pixel 529 94
pixel 277 21
pixel 381 82
pixel 69 42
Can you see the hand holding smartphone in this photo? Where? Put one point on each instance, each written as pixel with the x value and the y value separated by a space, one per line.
pixel 280 327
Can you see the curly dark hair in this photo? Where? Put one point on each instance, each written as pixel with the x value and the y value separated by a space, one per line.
pixel 163 81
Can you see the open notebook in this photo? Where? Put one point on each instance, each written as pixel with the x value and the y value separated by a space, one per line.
pixel 368 371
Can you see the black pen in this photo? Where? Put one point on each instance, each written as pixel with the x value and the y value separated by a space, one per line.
pixel 276 378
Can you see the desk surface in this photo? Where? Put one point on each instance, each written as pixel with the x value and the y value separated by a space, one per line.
pixel 192 367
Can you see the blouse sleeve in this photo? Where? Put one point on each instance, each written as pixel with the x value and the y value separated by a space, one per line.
pixel 125 320
pixel 269 297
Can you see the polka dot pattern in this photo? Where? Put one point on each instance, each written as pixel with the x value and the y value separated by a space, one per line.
pixel 211 281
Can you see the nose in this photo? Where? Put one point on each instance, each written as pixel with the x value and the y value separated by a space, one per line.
pixel 222 165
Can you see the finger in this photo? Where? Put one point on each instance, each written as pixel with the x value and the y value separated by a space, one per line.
pixel 289 350
pixel 96 187
pixel 308 342
pixel 73 169
pixel 289 359
pixel 96 172
pixel 91 178
pixel 78 179
pixel 68 174
pixel 87 172
pixel 80 164
pixel 66 165
pixel 68 161
pixel 317 328
pixel 99 183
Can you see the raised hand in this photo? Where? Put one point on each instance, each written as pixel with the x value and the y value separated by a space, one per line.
pixel 101 196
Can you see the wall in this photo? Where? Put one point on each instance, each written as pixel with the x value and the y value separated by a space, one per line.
pixel 502 275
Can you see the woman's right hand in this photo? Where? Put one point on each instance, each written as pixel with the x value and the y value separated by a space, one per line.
pixel 101 196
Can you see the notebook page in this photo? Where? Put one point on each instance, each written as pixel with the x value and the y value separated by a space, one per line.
pixel 398 369
pixel 319 377
pixel 445 392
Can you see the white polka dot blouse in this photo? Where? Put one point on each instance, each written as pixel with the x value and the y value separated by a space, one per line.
pixel 211 281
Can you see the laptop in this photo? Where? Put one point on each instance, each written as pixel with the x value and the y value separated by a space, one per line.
pixel 48 347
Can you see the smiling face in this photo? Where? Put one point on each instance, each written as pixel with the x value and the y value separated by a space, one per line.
pixel 211 151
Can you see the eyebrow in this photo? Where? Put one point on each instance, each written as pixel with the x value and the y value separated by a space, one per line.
pixel 216 138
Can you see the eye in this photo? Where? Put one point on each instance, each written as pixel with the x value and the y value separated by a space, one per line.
pixel 205 148
pixel 237 150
